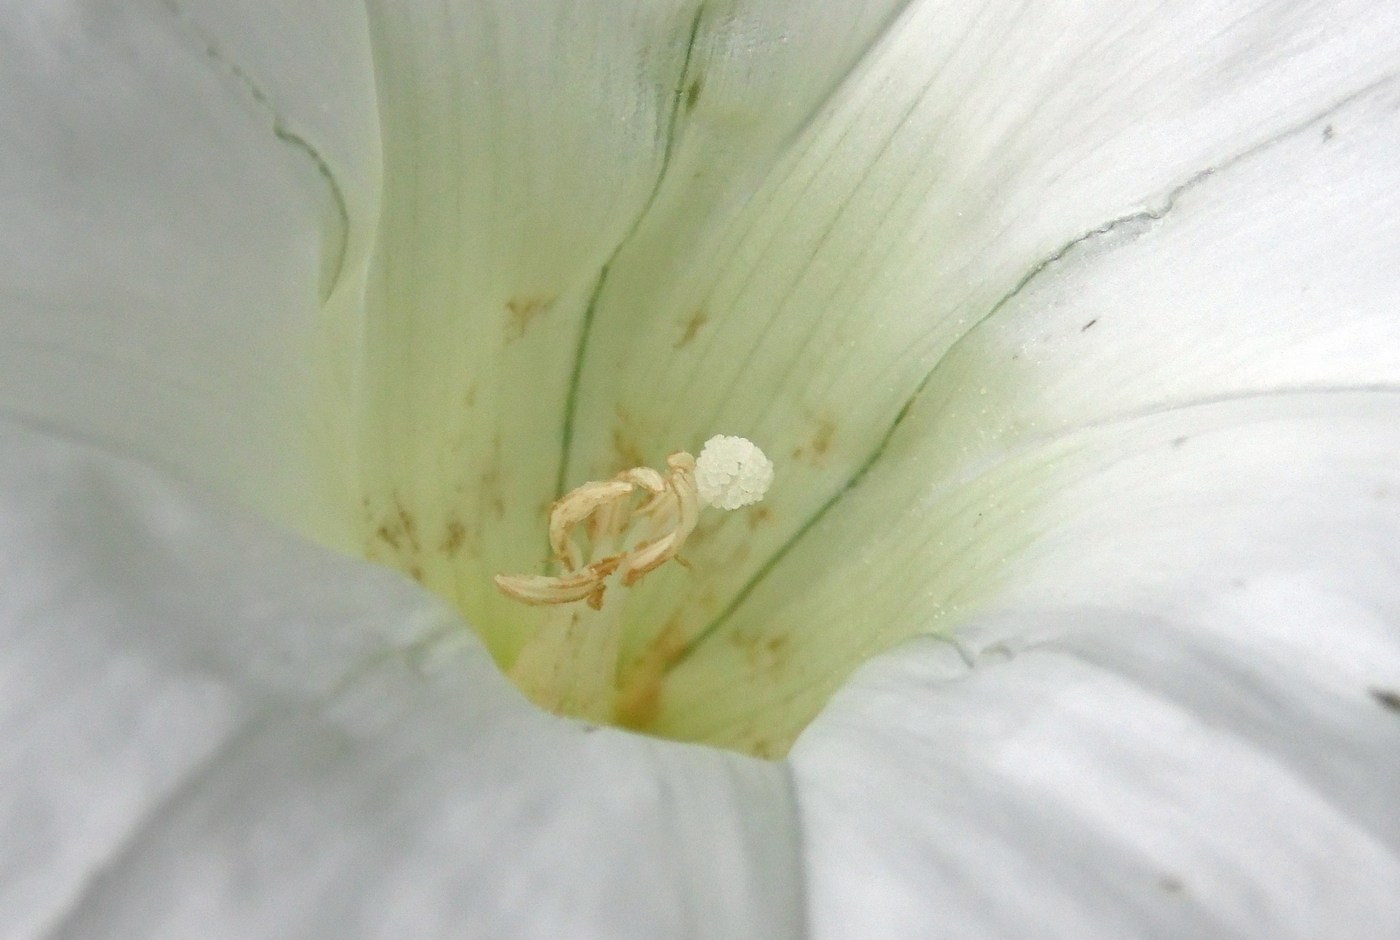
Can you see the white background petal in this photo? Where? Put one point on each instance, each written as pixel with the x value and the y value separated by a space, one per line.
pixel 1275 271
pixel 211 730
pixel 1177 719
pixel 969 148
pixel 184 185
pixel 1279 271
pixel 1226 521
pixel 971 144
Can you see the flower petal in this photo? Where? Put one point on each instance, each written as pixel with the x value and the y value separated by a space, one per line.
pixel 1179 719
pixel 214 731
pixel 186 189
pixel 972 144
pixel 1255 281
pixel 525 144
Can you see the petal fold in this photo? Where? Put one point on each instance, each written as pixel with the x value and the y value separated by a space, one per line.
pixel 189 189
pixel 526 148
pixel 213 730
pixel 1176 717
pixel 1272 276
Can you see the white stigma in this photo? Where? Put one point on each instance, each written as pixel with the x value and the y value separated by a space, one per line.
pixel 732 472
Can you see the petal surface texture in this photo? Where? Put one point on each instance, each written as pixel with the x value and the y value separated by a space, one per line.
pixel 1072 332
pixel 1175 712
pixel 1059 253
pixel 528 149
pixel 212 730
pixel 1181 720
pixel 188 193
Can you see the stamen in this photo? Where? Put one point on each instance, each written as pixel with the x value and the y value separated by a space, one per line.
pixel 731 472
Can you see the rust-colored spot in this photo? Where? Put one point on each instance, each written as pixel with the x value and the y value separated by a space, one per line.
pixel 416 573
pixel 751 645
pixel 638 700
pixel 628 454
pixel 818 446
pixel 763 748
pixel 388 536
pixel 406 520
pixel 407 526
pixel 456 535
pixel 491 495
pixel 758 516
pixel 709 525
pixel 524 310
pixel 821 441
pixel 763 652
pixel 779 650
pixel 692 328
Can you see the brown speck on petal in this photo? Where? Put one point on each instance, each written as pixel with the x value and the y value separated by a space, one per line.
pixel 387 536
pixel 456 535
pixel 639 700
pixel 692 328
pixel 628 454
pixel 523 311
pixel 758 516
pixel 818 446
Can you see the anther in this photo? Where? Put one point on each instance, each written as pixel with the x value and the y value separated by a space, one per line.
pixel 731 472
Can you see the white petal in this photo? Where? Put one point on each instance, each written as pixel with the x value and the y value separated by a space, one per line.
pixel 1179 718
pixel 185 187
pixel 213 731
pixel 1278 271
pixel 1275 272
pixel 973 143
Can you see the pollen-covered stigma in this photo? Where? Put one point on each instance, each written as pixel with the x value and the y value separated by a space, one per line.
pixel 570 666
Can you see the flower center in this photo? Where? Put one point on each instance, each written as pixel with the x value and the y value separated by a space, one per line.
pixel 571 664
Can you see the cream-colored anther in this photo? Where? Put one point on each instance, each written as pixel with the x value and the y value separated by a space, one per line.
pixel 683 509
pixel 667 518
pixel 575 507
pixel 537 589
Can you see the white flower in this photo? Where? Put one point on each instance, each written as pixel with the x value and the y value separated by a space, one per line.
pixel 1073 331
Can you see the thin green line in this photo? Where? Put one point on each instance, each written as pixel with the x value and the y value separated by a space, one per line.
pixel 679 97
